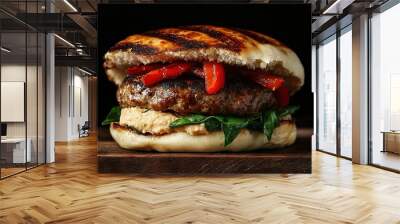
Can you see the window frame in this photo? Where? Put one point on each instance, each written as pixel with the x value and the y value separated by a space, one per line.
pixel 338 34
pixel 27 29
pixel 380 9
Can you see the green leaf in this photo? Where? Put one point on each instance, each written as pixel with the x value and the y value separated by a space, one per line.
pixel 230 133
pixel 255 125
pixel 266 122
pixel 288 110
pixel 220 119
pixel 212 124
pixel 112 116
pixel 271 121
pixel 236 121
pixel 191 119
pixel 231 128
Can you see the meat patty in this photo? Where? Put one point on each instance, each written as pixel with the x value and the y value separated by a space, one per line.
pixel 186 95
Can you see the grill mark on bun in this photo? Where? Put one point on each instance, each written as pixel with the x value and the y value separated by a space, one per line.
pixel 177 39
pixel 229 42
pixel 136 48
pixel 193 43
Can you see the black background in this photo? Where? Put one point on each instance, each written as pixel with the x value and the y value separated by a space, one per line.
pixel 291 24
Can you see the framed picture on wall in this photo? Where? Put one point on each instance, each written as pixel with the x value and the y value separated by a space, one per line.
pixel 13 100
pixel 212 89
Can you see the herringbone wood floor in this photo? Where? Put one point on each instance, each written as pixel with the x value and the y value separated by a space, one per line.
pixel 71 191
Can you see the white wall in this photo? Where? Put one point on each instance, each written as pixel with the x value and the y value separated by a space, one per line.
pixel 81 108
pixel 61 103
pixel 71 102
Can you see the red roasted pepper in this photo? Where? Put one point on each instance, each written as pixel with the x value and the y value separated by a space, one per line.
pixel 141 69
pixel 269 81
pixel 282 96
pixel 167 72
pixel 214 77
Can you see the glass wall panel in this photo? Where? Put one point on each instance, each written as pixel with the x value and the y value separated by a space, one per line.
pixel 41 88
pixel 13 94
pixel 31 88
pixel 346 93
pixel 22 91
pixel 31 97
pixel 327 95
pixel 385 88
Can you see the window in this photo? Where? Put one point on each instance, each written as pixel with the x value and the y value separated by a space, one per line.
pixel 327 96
pixel 385 88
pixel 345 92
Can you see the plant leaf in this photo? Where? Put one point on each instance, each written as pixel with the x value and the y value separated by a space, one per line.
pixel 232 126
pixel 213 124
pixel 230 133
pixel 236 121
pixel 271 121
pixel 112 116
pixel 288 110
pixel 266 122
pixel 191 119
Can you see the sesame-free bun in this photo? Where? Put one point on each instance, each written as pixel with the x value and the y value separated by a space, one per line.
pixel 283 135
pixel 205 43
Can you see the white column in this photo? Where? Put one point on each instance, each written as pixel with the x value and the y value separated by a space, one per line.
pixel 50 92
pixel 50 98
pixel 360 90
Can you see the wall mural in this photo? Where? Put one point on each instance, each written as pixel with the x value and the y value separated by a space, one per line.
pixel 226 91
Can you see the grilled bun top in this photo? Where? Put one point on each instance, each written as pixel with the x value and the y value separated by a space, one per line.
pixel 205 43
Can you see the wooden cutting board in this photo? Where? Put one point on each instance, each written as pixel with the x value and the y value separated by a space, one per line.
pixel 293 159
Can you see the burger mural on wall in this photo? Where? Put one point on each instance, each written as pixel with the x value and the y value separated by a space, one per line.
pixel 203 88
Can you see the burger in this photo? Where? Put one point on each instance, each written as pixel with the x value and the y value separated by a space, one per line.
pixel 202 88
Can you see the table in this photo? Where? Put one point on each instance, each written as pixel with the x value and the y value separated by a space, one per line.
pixel 391 141
pixel 292 159
pixel 16 147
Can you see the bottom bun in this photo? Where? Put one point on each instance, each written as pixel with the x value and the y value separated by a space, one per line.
pixel 283 135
